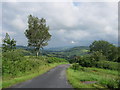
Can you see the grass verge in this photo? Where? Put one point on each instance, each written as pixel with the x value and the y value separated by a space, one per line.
pixel 103 78
pixel 9 81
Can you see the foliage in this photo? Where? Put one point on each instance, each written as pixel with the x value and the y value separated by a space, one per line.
pixel 13 55
pixel 15 63
pixel 76 66
pixel 17 67
pixel 37 33
pixel 108 65
pixel 74 59
pixel 98 56
pixel 119 51
pixel 90 61
pixel 87 61
pixel 106 48
pixel 8 44
pixel 95 59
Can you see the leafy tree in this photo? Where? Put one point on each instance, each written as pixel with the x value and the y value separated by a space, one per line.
pixel 74 59
pixel 106 48
pixel 118 55
pixel 87 61
pixel 98 56
pixel 37 33
pixel 8 44
pixel 113 54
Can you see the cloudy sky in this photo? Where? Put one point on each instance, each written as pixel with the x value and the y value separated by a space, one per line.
pixel 71 23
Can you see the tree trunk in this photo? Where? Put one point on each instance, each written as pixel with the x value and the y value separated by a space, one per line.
pixel 37 53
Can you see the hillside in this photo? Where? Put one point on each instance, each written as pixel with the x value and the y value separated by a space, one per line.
pixel 66 53
pixel 21 47
pixel 80 50
pixel 61 52
pixel 58 48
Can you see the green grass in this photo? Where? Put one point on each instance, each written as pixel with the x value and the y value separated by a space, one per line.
pixel 9 81
pixel 104 78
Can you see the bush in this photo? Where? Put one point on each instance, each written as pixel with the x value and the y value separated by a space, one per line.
pixel 90 60
pixel 108 65
pixel 107 49
pixel 14 63
pixel 13 55
pixel 87 61
pixel 98 60
pixel 75 66
pixel 74 59
pixel 98 56
pixel 14 68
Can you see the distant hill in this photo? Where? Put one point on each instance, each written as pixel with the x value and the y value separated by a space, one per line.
pixel 62 52
pixel 80 50
pixel 67 52
pixel 21 47
pixel 58 48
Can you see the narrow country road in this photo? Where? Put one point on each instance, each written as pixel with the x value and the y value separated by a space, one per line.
pixel 55 78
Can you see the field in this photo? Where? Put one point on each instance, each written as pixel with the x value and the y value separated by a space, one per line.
pixel 87 77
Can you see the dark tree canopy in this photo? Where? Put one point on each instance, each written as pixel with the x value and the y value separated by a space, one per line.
pixel 8 44
pixel 106 48
pixel 37 33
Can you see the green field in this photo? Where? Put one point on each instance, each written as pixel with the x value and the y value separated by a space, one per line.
pixel 101 78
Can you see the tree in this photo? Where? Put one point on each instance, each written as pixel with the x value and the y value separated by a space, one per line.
pixel 118 59
pixel 106 48
pixel 98 56
pixel 8 44
pixel 37 33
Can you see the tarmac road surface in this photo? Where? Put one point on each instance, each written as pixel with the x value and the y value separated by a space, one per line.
pixel 55 78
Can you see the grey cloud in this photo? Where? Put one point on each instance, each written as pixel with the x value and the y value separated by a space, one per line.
pixel 82 23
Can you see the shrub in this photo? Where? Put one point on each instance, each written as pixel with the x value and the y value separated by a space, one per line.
pixel 14 68
pixel 14 63
pixel 13 55
pixel 106 48
pixel 99 61
pixel 75 66
pixel 87 61
pixel 90 60
pixel 108 65
pixel 98 56
pixel 74 59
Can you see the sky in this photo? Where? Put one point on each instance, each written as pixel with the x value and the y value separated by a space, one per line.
pixel 71 23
